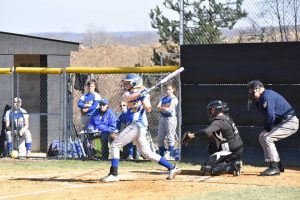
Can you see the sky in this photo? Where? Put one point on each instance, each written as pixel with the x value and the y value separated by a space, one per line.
pixel 34 16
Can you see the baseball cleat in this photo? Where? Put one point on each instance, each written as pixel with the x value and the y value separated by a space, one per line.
pixel 110 178
pixel 28 153
pixel 130 157
pixel 237 168
pixel 270 172
pixel 173 173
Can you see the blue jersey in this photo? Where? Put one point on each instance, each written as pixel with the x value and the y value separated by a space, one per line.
pixel 137 113
pixel 104 122
pixel 274 107
pixel 91 100
pixel 19 118
pixel 166 102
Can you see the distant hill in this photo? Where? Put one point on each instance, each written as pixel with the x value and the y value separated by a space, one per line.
pixel 134 38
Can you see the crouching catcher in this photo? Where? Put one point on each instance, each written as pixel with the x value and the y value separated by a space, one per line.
pixel 225 145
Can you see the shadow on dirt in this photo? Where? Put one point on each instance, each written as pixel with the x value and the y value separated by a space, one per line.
pixel 68 180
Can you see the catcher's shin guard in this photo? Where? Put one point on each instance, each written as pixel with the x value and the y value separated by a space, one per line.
pixel 221 168
pixel 227 168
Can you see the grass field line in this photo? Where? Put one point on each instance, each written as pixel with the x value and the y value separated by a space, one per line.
pixel 38 175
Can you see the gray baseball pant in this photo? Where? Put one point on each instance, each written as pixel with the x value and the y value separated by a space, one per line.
pixel 167 127
pixel 281 131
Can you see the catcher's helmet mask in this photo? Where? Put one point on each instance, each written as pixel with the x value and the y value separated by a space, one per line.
pixel 214 108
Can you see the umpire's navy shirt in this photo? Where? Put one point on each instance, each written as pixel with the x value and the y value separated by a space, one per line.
pixel 274 107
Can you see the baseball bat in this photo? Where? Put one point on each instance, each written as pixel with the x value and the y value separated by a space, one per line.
pixel 170 76
pixel 80 143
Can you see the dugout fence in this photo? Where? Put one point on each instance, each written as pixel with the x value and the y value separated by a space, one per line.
pixel 50 98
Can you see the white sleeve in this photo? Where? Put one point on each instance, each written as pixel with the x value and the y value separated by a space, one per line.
pixel 6 117
pixel 97 96
pixel 82 97
pixel 160 101
pixel 175 101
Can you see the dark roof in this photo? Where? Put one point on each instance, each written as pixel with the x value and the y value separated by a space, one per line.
pixel 36 37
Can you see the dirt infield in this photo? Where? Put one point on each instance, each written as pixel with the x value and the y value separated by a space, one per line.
pixel 140 183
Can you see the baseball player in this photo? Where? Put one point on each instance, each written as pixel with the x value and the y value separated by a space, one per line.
pixel 167 122
pixel 225 136
pixel 89 102
pixel 138 102
pixel 20 118
pixel 280 122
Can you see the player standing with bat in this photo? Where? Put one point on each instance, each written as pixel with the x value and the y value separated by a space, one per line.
pixel 19 118
pixel 138 102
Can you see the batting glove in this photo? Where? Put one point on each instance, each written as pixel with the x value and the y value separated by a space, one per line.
pixel 145 92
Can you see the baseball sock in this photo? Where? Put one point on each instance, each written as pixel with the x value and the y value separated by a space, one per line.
pixel 114 167
pixel 162 151
pixel 131 151
pixel 166 163
pixel 9 146
pixel 171 149
pixel 28 146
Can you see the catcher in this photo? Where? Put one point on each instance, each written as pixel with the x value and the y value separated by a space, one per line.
pixel 226 145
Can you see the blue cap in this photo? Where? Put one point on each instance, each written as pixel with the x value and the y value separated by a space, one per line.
pixel 104 101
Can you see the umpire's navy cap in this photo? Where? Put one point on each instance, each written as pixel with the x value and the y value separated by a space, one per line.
pixel 104 101
pixel 255 84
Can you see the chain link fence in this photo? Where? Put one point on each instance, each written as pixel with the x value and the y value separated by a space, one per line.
pixel 51 101
pixel 265 21
pixel 41 97
pixel 109 86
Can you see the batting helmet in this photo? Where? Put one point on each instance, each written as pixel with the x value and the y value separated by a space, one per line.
pixel 216 107
pixel 134 80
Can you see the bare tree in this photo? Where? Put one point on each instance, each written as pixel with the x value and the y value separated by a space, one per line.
pixel 281 16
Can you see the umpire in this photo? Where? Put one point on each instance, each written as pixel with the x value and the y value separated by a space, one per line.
pixel 280 122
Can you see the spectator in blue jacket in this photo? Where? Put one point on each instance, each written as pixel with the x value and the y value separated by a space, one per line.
pixel 104 121
pixel 89 102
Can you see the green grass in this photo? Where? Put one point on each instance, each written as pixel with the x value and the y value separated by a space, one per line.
pixel 98 146
pixel 251 193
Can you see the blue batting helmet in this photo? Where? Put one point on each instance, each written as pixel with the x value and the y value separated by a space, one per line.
pixel 133 79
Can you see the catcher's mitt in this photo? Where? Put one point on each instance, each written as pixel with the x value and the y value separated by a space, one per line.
pixel 187 137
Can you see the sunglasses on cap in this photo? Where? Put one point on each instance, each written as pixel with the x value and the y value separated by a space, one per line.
pixel 123 105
